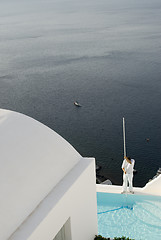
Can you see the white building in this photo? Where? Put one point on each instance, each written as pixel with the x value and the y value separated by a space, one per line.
pixel 47 189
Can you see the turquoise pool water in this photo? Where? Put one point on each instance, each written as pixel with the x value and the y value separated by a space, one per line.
pixel 134 216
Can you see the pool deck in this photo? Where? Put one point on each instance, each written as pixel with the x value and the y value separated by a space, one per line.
pixel 118 189
pixel 151 188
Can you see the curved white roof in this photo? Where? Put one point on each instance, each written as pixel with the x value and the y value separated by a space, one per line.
pixel 33 159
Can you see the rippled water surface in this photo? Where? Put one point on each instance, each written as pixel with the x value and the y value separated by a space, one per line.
pixel 106 55
pixel 134 216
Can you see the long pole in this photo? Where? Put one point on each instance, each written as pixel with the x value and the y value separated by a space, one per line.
pixel 124 139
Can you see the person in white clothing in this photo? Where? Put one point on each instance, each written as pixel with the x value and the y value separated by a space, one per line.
pixel 127 167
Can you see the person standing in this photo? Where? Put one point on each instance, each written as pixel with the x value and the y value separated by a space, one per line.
pixel 127 167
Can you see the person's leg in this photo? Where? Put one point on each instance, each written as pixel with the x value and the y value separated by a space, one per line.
pixel 124 182
pixel 130 179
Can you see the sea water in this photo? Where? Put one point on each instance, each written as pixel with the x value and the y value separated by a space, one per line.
pixel 105 54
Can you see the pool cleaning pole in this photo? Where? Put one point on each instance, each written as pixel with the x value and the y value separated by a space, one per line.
pixel 124 137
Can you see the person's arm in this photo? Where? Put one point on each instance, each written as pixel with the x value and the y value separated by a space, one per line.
pixel 123 166
pixel 133 163
pixel 124 170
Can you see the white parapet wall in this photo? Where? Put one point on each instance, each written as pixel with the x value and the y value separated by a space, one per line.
pixel 151 188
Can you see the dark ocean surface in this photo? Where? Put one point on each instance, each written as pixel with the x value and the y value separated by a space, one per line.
pixel 106 54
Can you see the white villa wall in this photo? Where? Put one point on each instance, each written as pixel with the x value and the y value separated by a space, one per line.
pixel 33 160
pixel 44 182
pixel 75 198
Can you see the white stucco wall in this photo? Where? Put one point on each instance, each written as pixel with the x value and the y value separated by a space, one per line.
pixel 75 198
pixel 43 182
pixel 153 187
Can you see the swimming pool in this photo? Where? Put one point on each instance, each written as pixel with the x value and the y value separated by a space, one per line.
pixel 133 216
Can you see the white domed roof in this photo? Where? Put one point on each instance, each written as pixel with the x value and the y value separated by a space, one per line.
pixel 33 159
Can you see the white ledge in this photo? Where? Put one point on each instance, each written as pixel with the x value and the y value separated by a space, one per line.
pixel 151 188
pixel 116 189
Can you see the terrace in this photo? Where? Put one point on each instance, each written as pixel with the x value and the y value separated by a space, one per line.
pixel 136 216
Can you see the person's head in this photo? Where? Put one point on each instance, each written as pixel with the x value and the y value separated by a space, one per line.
pixel 128 159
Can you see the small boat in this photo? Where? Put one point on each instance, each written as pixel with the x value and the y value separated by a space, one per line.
pixel 77 104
